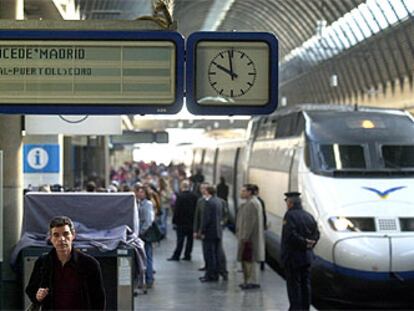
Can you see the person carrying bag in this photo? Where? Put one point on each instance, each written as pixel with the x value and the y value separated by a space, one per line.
pixel 153 234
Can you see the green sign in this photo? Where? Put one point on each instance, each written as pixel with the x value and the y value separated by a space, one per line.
pixel 92 72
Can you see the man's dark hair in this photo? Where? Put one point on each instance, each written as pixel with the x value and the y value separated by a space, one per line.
pixel 250 188
pixel 60 221
pixel 255 189
pixel 211 190
pixel 91 186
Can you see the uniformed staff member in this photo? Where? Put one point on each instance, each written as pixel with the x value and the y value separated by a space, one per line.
pixel 299 236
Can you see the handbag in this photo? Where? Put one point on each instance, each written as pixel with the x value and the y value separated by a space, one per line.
pixel 247 251
pixel 34 307
pixel 153 233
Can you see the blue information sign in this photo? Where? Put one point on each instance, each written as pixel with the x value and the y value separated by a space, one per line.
pixel 41 158
pixel 232 73
pixel 91 72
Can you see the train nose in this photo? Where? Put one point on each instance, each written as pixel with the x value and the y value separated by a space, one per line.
pixel 375 254
pixel 371 254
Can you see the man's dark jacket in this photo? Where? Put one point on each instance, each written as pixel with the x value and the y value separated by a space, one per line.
pixel 298 225
pixel 92 289
pixel 184 210
pixel 211 220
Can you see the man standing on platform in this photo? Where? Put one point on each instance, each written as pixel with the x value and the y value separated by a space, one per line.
pixel 250 236
pixel 183 219
pixel 211 234
pixel 299 236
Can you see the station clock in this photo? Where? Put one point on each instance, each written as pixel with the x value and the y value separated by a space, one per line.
pixel 231 72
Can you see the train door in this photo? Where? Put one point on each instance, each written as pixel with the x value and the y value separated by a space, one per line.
pixel 296 130
pixel 215 177
pixel 239 174
pixel 209 164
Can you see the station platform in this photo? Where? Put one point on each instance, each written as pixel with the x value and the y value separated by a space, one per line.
pixel 177 286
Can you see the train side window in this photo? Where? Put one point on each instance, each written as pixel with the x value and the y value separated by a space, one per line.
pixel 267 129
pixel 262 131
pixel 307 154
pixel 286 126
pixel 300 124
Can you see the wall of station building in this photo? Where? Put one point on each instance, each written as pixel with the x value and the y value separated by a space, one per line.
pixel 400 96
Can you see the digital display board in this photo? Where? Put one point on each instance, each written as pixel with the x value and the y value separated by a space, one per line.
pixel 116 72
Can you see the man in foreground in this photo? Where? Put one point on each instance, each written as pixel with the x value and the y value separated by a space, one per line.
pixel 65 278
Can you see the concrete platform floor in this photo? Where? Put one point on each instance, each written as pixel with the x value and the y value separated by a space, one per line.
pixel 177 287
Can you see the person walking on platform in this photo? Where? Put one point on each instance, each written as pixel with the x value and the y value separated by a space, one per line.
pixel 65 278
pixel 166 195
pixel 196 180
pixel 146 217
pixel 211 233
pixel 256 193
pixel 249 232
pixel 299 236
pixel 222 189
pixel 183 219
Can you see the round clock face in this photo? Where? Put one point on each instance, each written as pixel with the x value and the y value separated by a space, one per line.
pixel 232 73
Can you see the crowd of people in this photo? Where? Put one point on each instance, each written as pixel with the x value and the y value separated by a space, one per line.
pixel 199 210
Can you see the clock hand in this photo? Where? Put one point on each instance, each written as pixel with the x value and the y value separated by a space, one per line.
pixel 231 64
pixel 230 73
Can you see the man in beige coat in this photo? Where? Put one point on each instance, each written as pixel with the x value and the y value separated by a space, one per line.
pixel 250 236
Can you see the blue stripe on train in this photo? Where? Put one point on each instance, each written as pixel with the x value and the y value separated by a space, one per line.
pixel 360 274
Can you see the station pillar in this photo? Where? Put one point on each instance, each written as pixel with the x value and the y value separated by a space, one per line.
pixel 97 155
pixel 12 213
pixel 12 173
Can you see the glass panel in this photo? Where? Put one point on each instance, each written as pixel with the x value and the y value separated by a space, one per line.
pixel 341 37
pixel 398 156
pixel 370 19
pixel 341 157
pixel 335 38
pixel 347 31
pixel 378 15
pixel 329 45
pixel 362 24
pixel 389 13
pixel 355 29
pixel 326 157
pixel 351 156
pixel 399 9
pixel 409 5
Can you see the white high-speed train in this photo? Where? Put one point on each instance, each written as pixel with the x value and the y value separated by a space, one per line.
pixel 355 170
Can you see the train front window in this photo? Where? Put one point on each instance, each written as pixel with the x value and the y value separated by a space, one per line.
pixel 339 157
pixel 398 156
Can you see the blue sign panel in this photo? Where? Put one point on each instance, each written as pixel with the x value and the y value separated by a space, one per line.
pixel 232 73
pixel 91 72
pixel 41 159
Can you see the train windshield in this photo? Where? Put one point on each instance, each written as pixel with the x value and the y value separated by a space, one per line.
pixel 398 156
pixel 339 157
pixel 355 143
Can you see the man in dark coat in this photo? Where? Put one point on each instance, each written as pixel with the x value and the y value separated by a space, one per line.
pixel 212 233
pixel 223 189
pixel 299 236
pixel 183 219
pixel 66 278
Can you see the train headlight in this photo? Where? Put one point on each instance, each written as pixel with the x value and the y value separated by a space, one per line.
pixel 341 224
pixel 357 224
